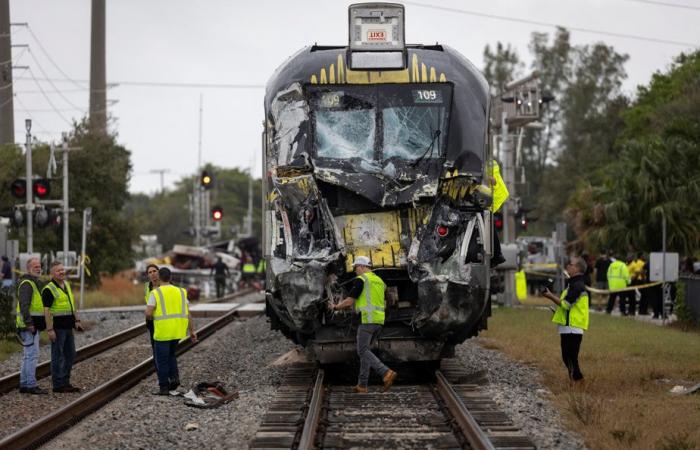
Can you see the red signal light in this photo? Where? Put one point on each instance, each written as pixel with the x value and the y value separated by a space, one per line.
pixel 442 230
pixel 18 188
pixel 41 188
pixel 217 213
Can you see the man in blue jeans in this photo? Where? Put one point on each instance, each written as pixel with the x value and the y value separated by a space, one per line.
pixel 29 321
pixel 61 318
pixel 168 307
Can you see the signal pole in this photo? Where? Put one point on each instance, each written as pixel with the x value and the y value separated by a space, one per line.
pixel 30 188
pixel 520 105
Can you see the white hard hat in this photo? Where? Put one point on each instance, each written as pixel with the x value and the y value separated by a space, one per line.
pixel 362 261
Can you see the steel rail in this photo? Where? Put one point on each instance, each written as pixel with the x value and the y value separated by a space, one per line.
pixel 477 438
pixel 60 420
pixel 10 382
pixel 313 416
pixel 233 295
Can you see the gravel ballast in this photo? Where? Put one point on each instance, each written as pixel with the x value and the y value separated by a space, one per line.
pixel 239 356
pixel 517 392
pixel 99 325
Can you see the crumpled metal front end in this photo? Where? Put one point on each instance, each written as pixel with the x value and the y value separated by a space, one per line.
pixel 422 226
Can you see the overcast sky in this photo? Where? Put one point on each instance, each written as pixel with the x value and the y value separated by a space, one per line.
pixel 230 42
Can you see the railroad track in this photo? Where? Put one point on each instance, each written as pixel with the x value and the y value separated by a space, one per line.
pixel 445 413
pixel 54 423
pixel 11 381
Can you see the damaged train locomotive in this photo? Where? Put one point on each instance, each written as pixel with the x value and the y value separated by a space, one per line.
pixel 378 149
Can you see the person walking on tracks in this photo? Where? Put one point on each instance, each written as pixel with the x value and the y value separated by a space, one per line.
pixel 29 321
pixel 571 316
pixel 169 309
pixel 152 283
pixel 367 296
pixel 618 278
pixel 221 273
pixel 61 318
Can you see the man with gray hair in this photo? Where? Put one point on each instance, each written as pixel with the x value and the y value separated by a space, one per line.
pixel 571 316
pixel 29 321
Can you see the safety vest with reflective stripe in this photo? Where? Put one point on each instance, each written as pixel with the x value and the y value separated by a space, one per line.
pixel 63 301
pixel 370 303
pixel 170 316
pixel 572 314
pixel 249 268
pixel 618 275
pixel 36 308
pixel 262 265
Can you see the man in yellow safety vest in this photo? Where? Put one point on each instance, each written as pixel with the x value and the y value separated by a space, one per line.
pixel 29 321
pixel 367 296
pixel 61 319
pixel 618 278
pixel 168 307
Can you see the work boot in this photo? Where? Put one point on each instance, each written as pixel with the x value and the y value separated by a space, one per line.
pixel 174 384
pixel 389 378
pixel 359 389
pixel 36 390
pixel 161 392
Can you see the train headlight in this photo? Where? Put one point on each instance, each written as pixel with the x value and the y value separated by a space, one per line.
pixel 376 36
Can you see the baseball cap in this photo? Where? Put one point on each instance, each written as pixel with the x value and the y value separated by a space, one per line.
pixel 362 261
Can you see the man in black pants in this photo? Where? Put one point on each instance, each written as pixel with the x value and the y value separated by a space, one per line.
pixel 571 316
pixel 221 273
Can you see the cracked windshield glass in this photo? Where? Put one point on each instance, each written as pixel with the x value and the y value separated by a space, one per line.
pixel 413 123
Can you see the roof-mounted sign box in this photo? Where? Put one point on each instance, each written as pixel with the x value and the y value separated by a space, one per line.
pixel 376 36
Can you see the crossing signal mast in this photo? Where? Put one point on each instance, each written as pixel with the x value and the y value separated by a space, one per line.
pixel 519 105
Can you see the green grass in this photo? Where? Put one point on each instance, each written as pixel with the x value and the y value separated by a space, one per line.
pixel 629 366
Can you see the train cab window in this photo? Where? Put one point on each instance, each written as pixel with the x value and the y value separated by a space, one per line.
pixel 413 132
pixel 385 121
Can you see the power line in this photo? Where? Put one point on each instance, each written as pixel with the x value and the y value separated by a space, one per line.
pixel 670 5
pixel 43 72
pixel 38 124
pixel 48 99
pixel 48 56
pixel 551 25
pixel 164 84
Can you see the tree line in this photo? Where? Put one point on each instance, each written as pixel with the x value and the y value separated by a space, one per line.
pixel 609 164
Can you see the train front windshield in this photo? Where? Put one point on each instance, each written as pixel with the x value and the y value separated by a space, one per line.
pixel 382 122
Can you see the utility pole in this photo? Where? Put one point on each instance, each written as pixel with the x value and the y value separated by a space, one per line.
pixel 7 118
pixel 161 172
pixel 29 206
pixel 98 71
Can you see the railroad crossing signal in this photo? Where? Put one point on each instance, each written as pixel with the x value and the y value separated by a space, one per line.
pixel 42 188
pixel 18 188
pixel 206 180
pixel 217 213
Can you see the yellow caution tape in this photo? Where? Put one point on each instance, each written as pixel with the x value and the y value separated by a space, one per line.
pixel 540 265
pixel 629 288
